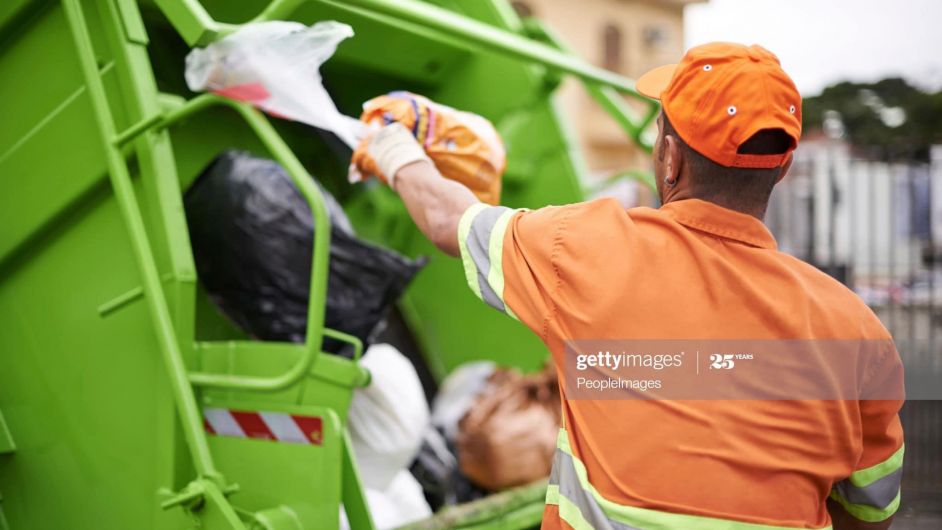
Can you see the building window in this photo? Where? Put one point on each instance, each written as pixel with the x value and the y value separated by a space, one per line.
pixel 611 46
pixel 654 37
pixel 522 8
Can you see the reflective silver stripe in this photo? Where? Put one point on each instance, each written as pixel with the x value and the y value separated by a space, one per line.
pixel 878 494
pixel 564 475
pixel 478 245
pixel 554 473
pixel 464 228
pixel 481 239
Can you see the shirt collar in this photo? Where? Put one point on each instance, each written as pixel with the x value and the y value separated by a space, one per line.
pixel 721 222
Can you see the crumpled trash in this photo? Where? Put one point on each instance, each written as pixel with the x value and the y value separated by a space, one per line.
pixel 508 436
pixel 252 235
pixel 275 66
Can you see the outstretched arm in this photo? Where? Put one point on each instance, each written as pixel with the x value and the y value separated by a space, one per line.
pixel 506 253
pixel 434 202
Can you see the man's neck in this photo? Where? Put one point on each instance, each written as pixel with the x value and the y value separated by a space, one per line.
pixel 757 211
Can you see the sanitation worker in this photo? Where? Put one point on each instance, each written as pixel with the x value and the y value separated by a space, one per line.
pixel 702 266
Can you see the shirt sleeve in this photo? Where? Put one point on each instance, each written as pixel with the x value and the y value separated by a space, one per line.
pixel 872 492
pixel 508 260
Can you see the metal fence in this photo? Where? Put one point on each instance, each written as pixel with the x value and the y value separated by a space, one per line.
pixel 877 227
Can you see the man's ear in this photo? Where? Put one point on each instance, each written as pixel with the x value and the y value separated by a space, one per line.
pixel 674 160
pixel 785 168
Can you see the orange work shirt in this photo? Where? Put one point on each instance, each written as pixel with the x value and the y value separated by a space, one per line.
pixel 688 270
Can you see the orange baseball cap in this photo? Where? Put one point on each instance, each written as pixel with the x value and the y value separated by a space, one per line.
pixel 721 94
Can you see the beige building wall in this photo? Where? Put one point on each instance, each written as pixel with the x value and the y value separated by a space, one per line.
pixel 626 36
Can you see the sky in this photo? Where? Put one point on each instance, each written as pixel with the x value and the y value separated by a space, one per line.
pixel 820 42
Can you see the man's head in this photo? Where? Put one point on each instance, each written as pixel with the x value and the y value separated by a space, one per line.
pixel 730 121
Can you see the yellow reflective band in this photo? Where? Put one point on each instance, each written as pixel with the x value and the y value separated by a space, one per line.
pixel 464 228
pixel 562 441
pixel 866 512
pixel 552 494
pixel 495 252
pixel 868 476
pixel 651 519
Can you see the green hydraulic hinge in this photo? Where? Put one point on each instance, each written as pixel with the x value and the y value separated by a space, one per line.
pixel 6 439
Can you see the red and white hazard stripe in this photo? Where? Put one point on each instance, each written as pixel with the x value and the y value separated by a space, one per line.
pixel 275 426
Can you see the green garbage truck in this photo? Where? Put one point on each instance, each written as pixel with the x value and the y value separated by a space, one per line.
pixel 111 352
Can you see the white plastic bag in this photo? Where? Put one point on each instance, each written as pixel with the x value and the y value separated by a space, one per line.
pixel 457 393
pixel 401 503
pixel 388 418
pixel 275 66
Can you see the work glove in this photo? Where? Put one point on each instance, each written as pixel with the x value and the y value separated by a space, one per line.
pixel 463 146
pixel 385 152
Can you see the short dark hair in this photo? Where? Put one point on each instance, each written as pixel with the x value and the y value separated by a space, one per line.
pixel 742 189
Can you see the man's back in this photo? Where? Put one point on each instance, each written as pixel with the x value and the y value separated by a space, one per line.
pixel 693 270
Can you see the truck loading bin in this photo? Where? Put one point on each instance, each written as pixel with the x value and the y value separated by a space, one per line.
pixel 110 353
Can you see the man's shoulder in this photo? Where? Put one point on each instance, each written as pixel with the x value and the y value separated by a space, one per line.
pixel 604 213
pixel 812 275
pixel 832 296
pixel 575 220
pixel 590 208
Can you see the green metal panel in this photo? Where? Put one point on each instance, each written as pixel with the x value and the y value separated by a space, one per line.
pixel 79 391
pixel 89 413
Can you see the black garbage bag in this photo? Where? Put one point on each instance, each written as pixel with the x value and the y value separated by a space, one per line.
pixel 252 237
pixel 437 470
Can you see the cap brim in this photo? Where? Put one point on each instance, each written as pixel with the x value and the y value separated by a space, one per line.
pixel 655 81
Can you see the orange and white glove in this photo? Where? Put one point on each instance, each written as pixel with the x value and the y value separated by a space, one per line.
pixel 385 152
